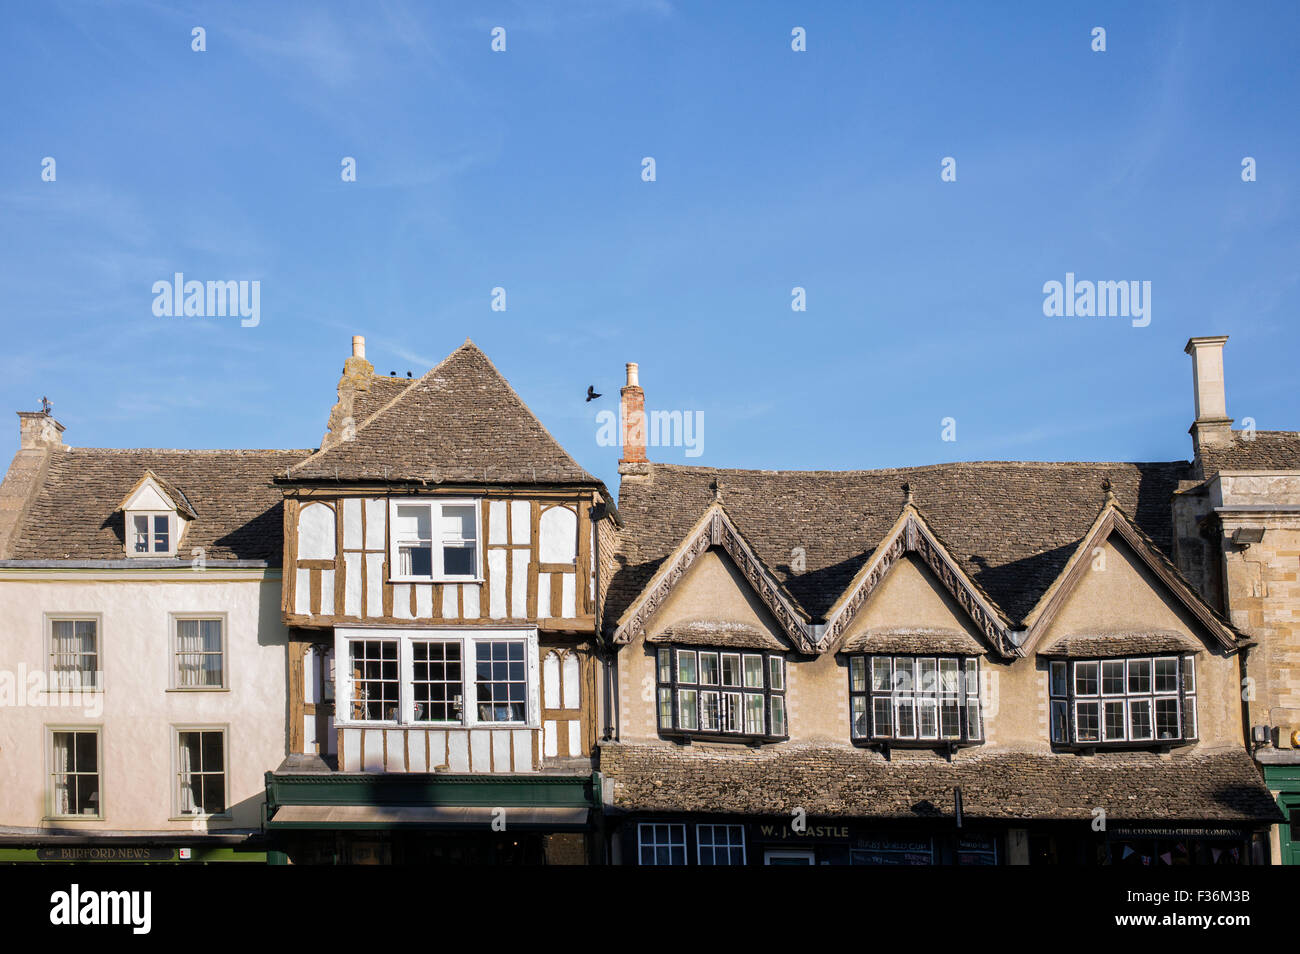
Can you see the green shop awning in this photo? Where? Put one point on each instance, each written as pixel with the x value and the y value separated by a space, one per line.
pixel 549 817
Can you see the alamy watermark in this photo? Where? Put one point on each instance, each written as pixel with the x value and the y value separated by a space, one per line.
pixel 37 688
pixel 655 429
pixel 1085 299
pixel 181 299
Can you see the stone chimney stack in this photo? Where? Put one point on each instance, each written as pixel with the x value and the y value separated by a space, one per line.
pixel 39 437
pixel 1212 426
pixel 37 430
pixel 632 412
pixel 358 373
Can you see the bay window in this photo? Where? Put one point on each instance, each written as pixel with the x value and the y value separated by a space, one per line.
pixel 721 693
pixel 434 540
pixel 1123 701
pixel 438 678
pixel 915 699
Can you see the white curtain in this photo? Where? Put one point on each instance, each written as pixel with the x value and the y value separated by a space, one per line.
pixel 198 650
pixel 62 765
pixel 187 758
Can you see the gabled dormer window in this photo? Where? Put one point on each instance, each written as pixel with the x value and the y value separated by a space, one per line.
pixel 151 533
pixel 154 517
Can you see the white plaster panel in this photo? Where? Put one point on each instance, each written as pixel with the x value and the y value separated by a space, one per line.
pixel 501 750
pixel 519 584
pixel 352 584
pixel 497 576
pixel 521 521
pixel 550 739
pixel 424 601
pixel 543 595
pixel 327 592
pixel 352 750
pixel 396 751
pixel 376 515
pixel 497 522
pixel 458 751
pixel 523 750
pixel 569 595
pixel 402 601
pixel 558 529
pixel 374 584
pixel 575 737
pixel 352 523
pixel 551 681
pixel 449 607
pixel 480 750
pixel 470 598
pixel 316 532
pixel 572 684
pixel 416 743
pixel 302 592
pixel 372 759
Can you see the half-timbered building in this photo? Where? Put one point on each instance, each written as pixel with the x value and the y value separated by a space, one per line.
pixel 971 663
pixel 440 596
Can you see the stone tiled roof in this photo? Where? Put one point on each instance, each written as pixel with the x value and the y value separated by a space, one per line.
pixel 914 641
pixel 1011 526
pixel 75 515
pixel 379 392
pixel 1119 644
pixel 842 781
pixel 711 633
pixel 1269 450
pixel 458 422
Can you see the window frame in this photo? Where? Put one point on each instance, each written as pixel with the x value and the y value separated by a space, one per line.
pixel 173 533
pixel 726 712
pixel 1145 698
pixel 344 637
pixel 176 730
pixel 898 699
pixel 49 619
pixel 96 729
pixel 436 570
pixel 174 621
pixel 714 846
pixel 671 844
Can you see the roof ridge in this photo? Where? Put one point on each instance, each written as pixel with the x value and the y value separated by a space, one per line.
pixel 187 450
pixel 1032 464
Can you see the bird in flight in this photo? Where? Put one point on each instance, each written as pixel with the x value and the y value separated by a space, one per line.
pixel 591 393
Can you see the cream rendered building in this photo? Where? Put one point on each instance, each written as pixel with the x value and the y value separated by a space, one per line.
pixel 142 684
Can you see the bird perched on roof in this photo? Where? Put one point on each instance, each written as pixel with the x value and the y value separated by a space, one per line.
pixel 591 393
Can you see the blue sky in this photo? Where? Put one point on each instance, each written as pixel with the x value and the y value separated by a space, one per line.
pixel 775 169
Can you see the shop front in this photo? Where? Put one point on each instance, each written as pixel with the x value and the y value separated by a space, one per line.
pixel 419 819
pixel 158 848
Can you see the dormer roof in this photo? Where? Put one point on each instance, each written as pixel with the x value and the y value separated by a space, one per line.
pixel 171 496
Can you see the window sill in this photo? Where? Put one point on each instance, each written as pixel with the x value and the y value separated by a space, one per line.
pixel 224 816
pixel 198 689
pixel 1090 748
pixel 64 819
pixel 943 746
pixel 686 737
pixel 432 579
pixel 434 726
